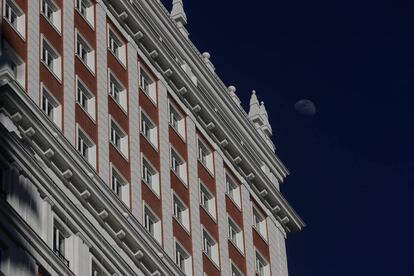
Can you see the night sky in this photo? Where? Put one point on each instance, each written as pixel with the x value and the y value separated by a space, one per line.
pixel 352 168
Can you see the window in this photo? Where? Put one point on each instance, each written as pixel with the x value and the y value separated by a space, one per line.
pixel 181 213
pixel 85 8
pixel 207 200
pixel 85 98
pixel 59 240
pixel 85 52
pixel 262 266
pixel 150 176
pixel 117 46
pixel 259 222
pixel 148 85
pixel 177 121
pixel 235 271
pixel 16 63
pixel 51 59
pixel 183 259
pixel 236 234
pixel 119 185
pixel 210 247
pixel 52 13
pixel 14 16
pixel 119 139
pixel 117 91
pixel 205 156
pixel 178 166
pixel 51 107
pixel 86 147
pixel 233 190
pixel 149 130
pixel 152 224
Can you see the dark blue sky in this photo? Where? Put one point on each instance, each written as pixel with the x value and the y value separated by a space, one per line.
pixel 352 167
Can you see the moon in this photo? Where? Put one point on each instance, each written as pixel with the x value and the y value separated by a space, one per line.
pixel 305 107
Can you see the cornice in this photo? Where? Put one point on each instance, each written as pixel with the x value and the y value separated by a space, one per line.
pixel 72 170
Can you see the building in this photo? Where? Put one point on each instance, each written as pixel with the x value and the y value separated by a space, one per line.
pixel 123 153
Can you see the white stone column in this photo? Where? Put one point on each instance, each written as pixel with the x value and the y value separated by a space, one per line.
pixel 33 51
pixel 222 219
pixel 165 169
pixel 194 195
pixel 248 230
pixel 102 93
pixel 78 254
pixel 68 71
pixel 277 249
pixel 134 123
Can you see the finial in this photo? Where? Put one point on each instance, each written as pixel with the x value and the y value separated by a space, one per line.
pixel 232 89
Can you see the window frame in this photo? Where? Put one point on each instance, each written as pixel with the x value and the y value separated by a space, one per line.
pixel 123 147
pixel 121 99
pixel 91 8
pixel 152 85
pixel 156 190
pixel 56 11
pixel 121 53
pixel 153 131
pixel 173 112
pixel 123 185
pixel 91 146
pixel 56 106
pixel 213 248
pixel 56 67
pixel 90 58
pixel 188 265
pixel 239 242
pixel 90 109
pixel 182 171
pixel 211 209
pixel 184 221
pixel 156 232
pixel 262 228
pixel 209 155
pixel 236 200
pixel 20 26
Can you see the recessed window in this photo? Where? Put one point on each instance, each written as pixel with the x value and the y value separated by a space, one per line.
pixel 119 185
pixel 15 16
pixel 235 271
pixel 117 46
pixel 51 59
pixel 59 242
pixel 149 130
pixel 85 99
pixel 86 147
pixel 152 223
pixel 118 92
pixel 148 85
pixel 178 166
pixel 177 121
pixel 233 190
pixel 52 13
pixel 210 247
pixel 51 107
pixel 262 266
pixel 181 212
pixel 119 139
pixel 236 234
pixel 183 259
pixel 150 176
pixel 205 156
pixel 85 8
pixel 85 52
pixel 97 269
pixel 259 222
pixel 16 64
pixel 207 200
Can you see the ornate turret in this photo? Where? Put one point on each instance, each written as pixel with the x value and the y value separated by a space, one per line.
pixel 179 16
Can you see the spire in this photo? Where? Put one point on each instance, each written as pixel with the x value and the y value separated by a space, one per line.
pixel 179 16
pixel 265 117
pixel 254 111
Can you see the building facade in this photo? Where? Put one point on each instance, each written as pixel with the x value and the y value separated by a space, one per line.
pixel 123 153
